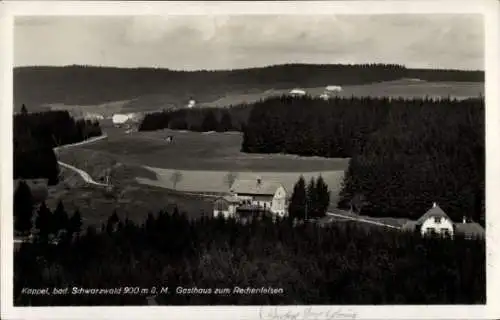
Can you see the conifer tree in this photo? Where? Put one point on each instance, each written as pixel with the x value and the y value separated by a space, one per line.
pixel 209 122
pixel 226 123
pixel 312 200
pixel 44 221
pixel 24 110
pixel 323 196
pixel 112 223
pixel 23 208
pixel 75 222
pixel 60 218
pixel 297 206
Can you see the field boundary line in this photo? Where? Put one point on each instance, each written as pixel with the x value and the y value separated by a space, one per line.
pixel 93 139
pixel 363 220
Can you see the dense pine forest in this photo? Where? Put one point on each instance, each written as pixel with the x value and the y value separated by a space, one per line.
pixel 35 136
pixel 340 264
pixel 405 154
pixel 77 85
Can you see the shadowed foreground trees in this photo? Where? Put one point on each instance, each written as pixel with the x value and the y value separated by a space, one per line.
pixel 35 136
pixel 342 264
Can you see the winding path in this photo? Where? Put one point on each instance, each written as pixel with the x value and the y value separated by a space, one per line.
pixel 85 176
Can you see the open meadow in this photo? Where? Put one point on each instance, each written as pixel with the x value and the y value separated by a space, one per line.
pixel 404 88
pixel 195 162
pixel 209 151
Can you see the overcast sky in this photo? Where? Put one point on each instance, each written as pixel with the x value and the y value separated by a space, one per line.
pixel 228 42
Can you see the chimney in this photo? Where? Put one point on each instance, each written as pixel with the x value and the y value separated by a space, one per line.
pixel 434 205
pixel 464 220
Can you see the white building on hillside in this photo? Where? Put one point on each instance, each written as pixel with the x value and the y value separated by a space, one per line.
pixel 252 196
pixel 120 119
pixel 297 93
pixel 334 88
pixel 436 221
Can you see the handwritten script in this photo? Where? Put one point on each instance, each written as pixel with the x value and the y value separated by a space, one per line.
pixel 307 313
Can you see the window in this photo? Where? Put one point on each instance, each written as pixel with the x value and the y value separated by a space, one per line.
pixel 437 219
pixel 431 231
pixel 445 232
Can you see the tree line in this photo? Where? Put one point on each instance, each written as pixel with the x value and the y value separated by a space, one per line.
pixel 311 201
pixel 405 154
pixel 199 120
pixel 40 85
pixel 35 136
pixel 340 264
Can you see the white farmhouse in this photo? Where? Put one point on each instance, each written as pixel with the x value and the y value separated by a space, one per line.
pixel 267 195
pixel 435 221
pixel 248 197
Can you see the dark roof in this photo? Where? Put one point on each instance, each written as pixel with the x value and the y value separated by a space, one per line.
pixel 472 229
pixel 253 187
pixel 435 211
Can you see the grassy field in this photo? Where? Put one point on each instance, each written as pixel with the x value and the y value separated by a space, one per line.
pixel 204 151
pixel 194 162
pixel 405 88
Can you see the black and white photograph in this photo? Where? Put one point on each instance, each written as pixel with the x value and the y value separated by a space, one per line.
pixel 249 160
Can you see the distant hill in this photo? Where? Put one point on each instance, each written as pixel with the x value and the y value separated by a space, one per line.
pixel 164 88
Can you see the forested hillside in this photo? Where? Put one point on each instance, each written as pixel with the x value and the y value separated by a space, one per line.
pixel 406 154
pixel 35 136
pixel 85 85
pixel 341 264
